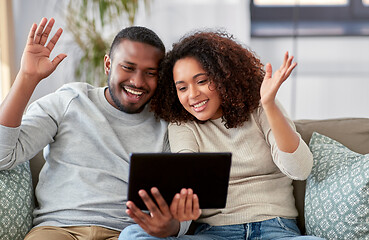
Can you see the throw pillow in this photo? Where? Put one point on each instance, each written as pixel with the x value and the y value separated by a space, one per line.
pixel 337 191
pixel 16 202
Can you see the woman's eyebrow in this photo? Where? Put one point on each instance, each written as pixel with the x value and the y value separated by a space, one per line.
pixel 179 82
pixel 198 75
pixel 194 77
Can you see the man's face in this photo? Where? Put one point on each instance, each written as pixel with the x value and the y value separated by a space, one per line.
pixel 132 75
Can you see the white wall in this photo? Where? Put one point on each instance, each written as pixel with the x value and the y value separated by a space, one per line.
pixel 170 19
pixel 331 79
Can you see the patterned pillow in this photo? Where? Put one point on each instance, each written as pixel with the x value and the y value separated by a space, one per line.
pixel 337 191
pixel 16 202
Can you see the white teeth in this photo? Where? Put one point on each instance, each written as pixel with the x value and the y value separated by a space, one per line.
pixel 133 91
pixel 200 104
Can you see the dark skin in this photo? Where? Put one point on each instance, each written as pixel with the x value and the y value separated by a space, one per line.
pixel 164 221
pixel 37 65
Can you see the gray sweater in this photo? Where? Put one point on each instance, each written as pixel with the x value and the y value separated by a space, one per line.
pixel 86 144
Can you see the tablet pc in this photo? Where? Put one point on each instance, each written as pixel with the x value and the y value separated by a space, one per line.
pixel 206 173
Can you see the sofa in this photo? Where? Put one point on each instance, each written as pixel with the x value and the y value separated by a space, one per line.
pixel 351 132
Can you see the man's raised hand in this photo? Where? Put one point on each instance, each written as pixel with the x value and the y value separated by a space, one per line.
pixel 36 63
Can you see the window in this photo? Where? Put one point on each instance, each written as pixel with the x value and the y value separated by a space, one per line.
pixel 299 2
pixel 309 18
pixel 6 47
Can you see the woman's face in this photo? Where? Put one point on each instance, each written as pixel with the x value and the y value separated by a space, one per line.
pixel 195 90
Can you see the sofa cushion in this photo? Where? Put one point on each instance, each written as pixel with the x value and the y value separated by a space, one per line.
pixel 352 132
pixel 336 200
pixel 16 202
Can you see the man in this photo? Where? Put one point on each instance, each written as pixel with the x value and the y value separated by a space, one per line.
pixel 88 133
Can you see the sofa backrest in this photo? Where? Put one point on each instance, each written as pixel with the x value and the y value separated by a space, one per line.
pixel 351 132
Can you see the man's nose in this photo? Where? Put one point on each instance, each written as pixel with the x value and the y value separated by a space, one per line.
pixel 137 79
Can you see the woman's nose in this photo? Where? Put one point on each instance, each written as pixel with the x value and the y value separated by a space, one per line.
pixel 194 92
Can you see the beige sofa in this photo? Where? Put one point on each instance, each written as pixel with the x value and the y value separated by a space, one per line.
pixel 352 132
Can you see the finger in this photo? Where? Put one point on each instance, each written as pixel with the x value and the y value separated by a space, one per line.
pixel 47 31
pixel 189 199
pixel 151 206
pixel 284 71
pixel 182 201
pixel 137 220
pixel 58 59
pixel 268 71
pixel 54 40
pixel 31 34
pixel 135 213
pixel 289 62
pixel 290 69
pixel 163 206
pixel 174 206
pixel 285 58
pixel 39 30
pixel 196 207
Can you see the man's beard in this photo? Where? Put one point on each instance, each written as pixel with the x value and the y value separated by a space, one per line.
pixel 119 105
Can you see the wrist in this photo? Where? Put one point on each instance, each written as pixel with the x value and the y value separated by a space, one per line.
pixel 27 80
pixel 268 106
pixel 176 228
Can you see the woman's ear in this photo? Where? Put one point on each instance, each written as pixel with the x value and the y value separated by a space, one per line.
pixel 107 64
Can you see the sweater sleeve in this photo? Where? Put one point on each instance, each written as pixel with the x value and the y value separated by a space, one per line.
pixel 182 139
pixel 184 228
pixel 296 165
pixel 38 128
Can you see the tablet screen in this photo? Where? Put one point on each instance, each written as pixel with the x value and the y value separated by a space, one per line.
pixel 206 173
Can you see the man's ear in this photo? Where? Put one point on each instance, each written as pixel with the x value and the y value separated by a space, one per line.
pixel 107 64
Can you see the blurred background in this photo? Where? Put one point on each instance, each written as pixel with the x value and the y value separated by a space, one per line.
pixel 329 39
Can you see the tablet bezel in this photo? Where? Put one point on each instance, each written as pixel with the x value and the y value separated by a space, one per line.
pixel 207 173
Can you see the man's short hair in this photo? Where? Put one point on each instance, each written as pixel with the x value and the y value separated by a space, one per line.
pixel 137 34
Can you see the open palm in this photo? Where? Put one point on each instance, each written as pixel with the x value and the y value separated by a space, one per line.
pixel 271 84
pixel 36 63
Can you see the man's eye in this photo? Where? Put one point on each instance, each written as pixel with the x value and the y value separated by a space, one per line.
pixel 152 74
pixel 127 68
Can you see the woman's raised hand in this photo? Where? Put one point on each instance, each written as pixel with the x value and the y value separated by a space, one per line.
pixel 36 64
pixel 271 84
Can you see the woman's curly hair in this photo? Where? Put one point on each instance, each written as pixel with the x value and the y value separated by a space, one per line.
pixel 236 72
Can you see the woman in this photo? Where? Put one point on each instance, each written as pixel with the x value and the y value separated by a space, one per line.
pixel 218 98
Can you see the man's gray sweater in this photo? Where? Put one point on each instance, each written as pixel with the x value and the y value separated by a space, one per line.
pixel 86 144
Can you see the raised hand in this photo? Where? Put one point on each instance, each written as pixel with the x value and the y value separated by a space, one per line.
pixel 160 222
pixel 185 206
pixel 35 64
pixel 271 84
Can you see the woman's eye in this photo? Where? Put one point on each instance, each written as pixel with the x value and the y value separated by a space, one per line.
pixel 181 89
pixel 202 81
